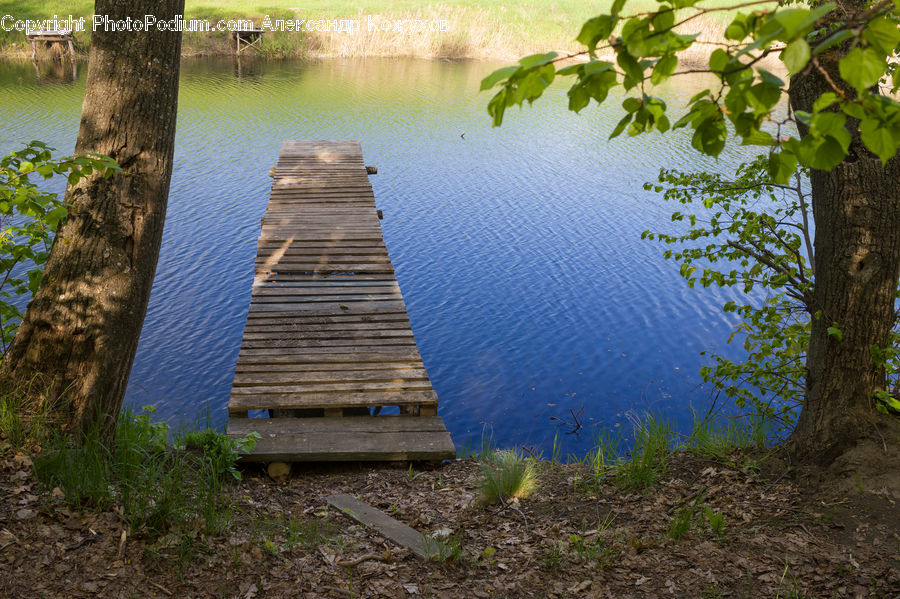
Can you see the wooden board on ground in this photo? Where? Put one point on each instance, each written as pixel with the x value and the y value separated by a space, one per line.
pixel 327 330
pixel 391 529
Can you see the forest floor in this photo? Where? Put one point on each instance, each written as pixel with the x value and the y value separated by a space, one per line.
pixel 574 537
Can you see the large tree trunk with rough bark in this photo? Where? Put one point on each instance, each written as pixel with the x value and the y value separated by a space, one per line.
pixel 856 207
pixel 80 331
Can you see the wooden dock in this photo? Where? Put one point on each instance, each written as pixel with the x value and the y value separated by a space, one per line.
pixel 328 343
pixel 48 37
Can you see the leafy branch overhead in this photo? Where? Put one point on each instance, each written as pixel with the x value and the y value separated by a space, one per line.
pixel 29 216
pixel 646 47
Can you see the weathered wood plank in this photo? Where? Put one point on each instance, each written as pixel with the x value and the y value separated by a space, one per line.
pixel 350 424
pixel 319 376
pixel 386 526
pixel 395 356
pixel 293 400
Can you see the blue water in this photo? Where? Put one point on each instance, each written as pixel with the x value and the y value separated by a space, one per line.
pixel 518 249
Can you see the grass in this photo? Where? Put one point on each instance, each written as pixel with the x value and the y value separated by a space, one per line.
pixel 26 418
pixel 445 550
pixel 153 487
pixel 476 28
pixel 509 475
pixel 684 518
pixel 647 463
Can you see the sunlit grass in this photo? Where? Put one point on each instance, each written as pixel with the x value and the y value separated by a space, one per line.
pixel 508 475
pixel 475 28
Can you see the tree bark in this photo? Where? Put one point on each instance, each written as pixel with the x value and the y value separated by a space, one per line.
pixel 856 207
pixel 81 329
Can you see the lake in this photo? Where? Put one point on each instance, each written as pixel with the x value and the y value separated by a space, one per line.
pixel 518 250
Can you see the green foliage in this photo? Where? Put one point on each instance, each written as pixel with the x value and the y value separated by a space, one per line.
pixel 26 417
pixel 683 518
pixel 752 233
pixel 551 557
pixel 152 486
pixel 716 520
pixel 221 451
pixel 745 96
pixel 508 475
pixel 449 549
pixel 717 438
pixel 647 462
pixel 29 216
pixel 604 458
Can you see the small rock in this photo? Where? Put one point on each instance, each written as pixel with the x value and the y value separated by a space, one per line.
pixel 280 472
pixel 412 589
pixel 25 514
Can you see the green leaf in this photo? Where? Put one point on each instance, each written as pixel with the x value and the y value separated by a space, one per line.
pixel 797 20
pixel 718 60
pixel 633 71
pixel 796 55
pixel 621 126
pixel 758 138
pixel 781 166
pixel 832 40
pixel 862 68
pixel 824 101
pixel 835 332
pixel 598 85
pixel 631 104
pixel 497 106
pixel 883 35
pixel 664 19
pixel 497 76
pixel 737 30
pixel 710 135
pixel 596 29
pixel 879 139
pixel 537 60
pixel 664 68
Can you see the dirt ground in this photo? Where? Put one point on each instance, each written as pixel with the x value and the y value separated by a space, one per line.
pixel 572 538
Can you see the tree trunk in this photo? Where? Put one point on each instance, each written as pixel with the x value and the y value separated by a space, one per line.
pixel 856 207
pixel 81 329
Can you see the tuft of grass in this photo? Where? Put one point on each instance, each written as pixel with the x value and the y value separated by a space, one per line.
pixel 26 415
pixel 551 557
pixel 647 462
pixel 508 475
pixel 309 533
pixel 716 520
pixel 447 550
pixel 684 517
pixel 604 458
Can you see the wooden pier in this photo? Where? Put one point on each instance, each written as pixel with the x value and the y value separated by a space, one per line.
pixel 48 37
pixel 328 343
